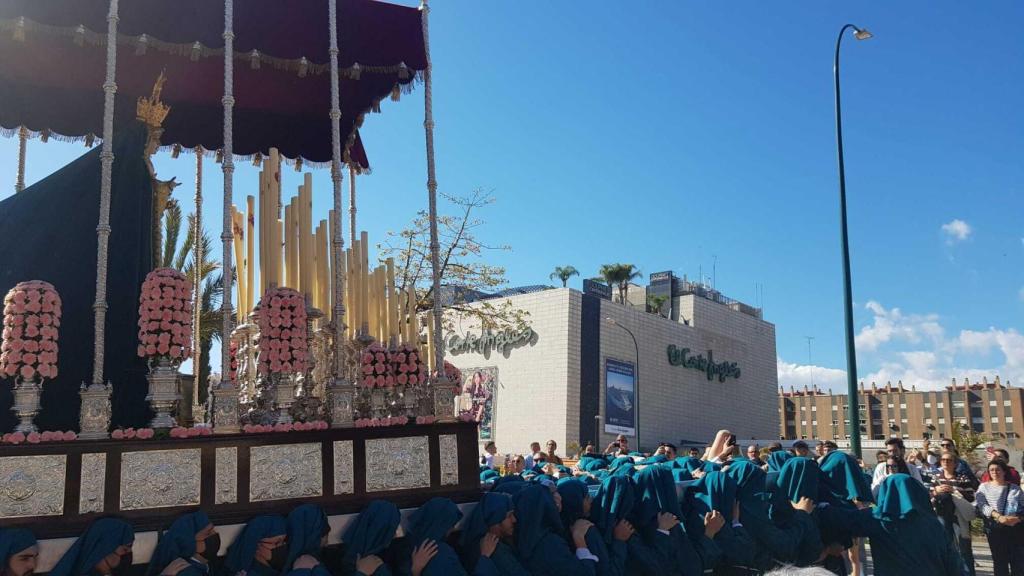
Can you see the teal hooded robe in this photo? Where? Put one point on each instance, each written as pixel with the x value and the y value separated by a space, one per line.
pixel 539 543
pixel 717 491
pixel 491 511
pixel 688 551
pixel 371 534
pixel 100 540
pixel 241 554
pixel 433 521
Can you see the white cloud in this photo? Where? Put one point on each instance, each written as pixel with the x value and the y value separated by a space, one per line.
pixel 800 375
pixel 893 325
pixel 914 349
pixel 956 231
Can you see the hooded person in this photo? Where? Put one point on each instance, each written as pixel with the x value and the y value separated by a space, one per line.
pixel 307 531
pixel 259 549
pixel 19 552
pixel 842 481
pixel 778 504
pixel 576 504
pixel 797 479
pixel 493 515
pixel 190 543
pixel 774 544
pixel 688 463
pixel 538 536
pixel 105 549
pixel 906 536
pixel 370 535
pixel 716 492
pixel 592 462
pixel 659 521
pixel 435 521
pixel 489 475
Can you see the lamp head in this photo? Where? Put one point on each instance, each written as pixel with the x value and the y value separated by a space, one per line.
pixel 862 33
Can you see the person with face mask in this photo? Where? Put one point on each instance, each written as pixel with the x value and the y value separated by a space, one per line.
pixel 105 549
pixel 259 550
pixel 492 516
pixel 19 553
pixel 186 548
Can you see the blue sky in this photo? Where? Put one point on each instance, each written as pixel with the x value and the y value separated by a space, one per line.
pixel 674 135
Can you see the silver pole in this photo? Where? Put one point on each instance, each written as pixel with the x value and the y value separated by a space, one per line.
pixel 228 167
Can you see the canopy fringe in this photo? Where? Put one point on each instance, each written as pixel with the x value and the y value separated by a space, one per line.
pixel 302 67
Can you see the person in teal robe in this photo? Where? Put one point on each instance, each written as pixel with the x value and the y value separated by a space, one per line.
pixel 613 505
pixel 307 529
pixel 244 555
pixel 774 544
pixel 19 552
pixel 716 491
pixel 842 480
pixel 576 504
pixel 104 549
pixel 489 475
pixel 370 535
pixel 906 536
pixel 434 521
pixel 777 459
pixel 592 462
pixel 688 463
pixel 689 551
pixel 798 478
pixel 494 515
pixel 510 485
pixel 190 538
pixel 655 459
pixel 538 536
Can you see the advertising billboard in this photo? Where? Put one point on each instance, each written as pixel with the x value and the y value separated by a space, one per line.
pixel 619 397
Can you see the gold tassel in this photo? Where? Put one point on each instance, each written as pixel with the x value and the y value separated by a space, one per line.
pixel 142 45
pixel 80 35
pixel 175 150
pixel 376 107
pixel 303 67
pixel 354 71
pixel 396 93
pixel 219 158
pixel 257 159
pixel 44 136
pixel 254 59
pixel 19 30
pixel 298 164
pixel 196 50
pixel 403 71
pixel 90 138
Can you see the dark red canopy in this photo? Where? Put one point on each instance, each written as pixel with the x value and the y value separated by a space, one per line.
pixel 53 54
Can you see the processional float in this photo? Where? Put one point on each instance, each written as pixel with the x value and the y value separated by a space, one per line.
pixel 332 386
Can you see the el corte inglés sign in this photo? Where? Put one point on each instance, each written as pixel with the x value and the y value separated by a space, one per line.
pixel 500 341
pixel 721 370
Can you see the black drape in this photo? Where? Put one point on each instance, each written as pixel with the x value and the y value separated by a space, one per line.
pixel 48 232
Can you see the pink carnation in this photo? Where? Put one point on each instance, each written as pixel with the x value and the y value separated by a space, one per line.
pixel 17 437
pixel 118 434
pixel 47 436
pixel 33 438
pixel 69 436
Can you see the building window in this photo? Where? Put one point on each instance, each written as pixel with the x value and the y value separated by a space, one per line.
pixel 803 422
pixel 837 407
pixel 991 402
pixel 803 408
pixel 815 422
pixel 995 419
pixel 927 404
pixel 977 420
pixel 942 420
pixel 903 406
pixel 928 421
pixel 814 408
pixel 904 420
pixel 1006 402
pixel 1008 419
pixel 956 404
pixel 940 405
pixel 890 405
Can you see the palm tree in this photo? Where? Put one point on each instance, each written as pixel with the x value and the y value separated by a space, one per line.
pixel 619 275
pixel 654 303
pixel 563 273
pixel 183 259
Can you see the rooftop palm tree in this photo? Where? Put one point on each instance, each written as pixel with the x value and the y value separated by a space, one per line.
pixel 183 259
pixel 563 273
pixel 619 275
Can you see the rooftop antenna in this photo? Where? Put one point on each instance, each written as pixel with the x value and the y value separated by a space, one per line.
pixel 810 363
pixel 714 271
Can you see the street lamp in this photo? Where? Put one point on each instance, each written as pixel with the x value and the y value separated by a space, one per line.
pixel 636 377
pixel 851 353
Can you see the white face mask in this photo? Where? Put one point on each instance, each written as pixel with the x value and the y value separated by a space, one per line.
pixel 933 459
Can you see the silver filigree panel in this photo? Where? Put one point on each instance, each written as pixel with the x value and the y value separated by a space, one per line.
pixel 285 471
pixel 94 476
pixel 160 478
pixel 226 476
pixel 397 463
pixel 343 467
pixel 449 447
pixel 32 485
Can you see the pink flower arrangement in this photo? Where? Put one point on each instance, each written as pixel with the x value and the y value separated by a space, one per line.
pixel 425 419
pixel 453 374
pixel 379 422
pixel 165 316
pixel 376 367
pixel 37 437
pixel 132 433
pixel 182 432
pixel 233 368
pixel 32 313
pixel 282 321
pixel 406 366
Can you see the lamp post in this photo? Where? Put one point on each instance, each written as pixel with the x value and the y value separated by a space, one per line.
pixel 636 377
pixel 851 353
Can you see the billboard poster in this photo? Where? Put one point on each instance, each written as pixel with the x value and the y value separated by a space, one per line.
pixel 619 397
pixel 481 387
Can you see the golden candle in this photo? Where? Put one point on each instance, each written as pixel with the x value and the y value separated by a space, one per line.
pixel 430 345
pixel 250 227
pixel 364 283
pixel 306 268
pixel 263 229
pixel 238 232
pixel 353 286
pixel 392 309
